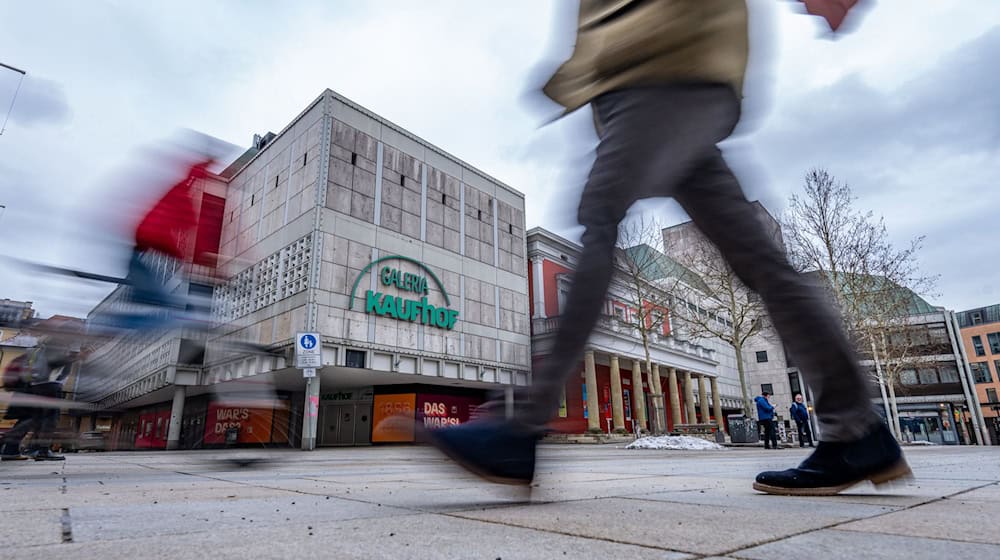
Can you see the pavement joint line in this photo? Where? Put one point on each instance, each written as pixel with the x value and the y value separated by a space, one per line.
pixel 845 522
pixel 564 533
pixel 948 539
pixel 67 526
pixel 412 510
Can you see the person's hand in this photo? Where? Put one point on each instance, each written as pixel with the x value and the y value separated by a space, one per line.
pixel 833 11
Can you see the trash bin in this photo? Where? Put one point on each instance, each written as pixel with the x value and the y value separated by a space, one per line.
pixel 742 429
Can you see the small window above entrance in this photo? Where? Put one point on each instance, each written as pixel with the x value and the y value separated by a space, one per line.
pixel 354 358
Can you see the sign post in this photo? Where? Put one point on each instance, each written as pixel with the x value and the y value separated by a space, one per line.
pixel 308 351
pixel 308 357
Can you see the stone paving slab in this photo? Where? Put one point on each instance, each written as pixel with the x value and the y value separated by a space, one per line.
pixel 956 518
pixel 424 536
pixel 408 502
pixel 27 528
pixel 848 545
pixel 671 526
pixel 93 523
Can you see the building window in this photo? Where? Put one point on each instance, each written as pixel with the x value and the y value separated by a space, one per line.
pixel 444 198
pixel 991 396
pixel 762 357
pixel 794 383
pixel 354 358
pixel 354 159
pixel 305 157
pixel 402 180
pixel 977 317
pixel 994 339
pixel 948 373
pixel 977 344
pixel 908 377
pixel 938 334
pixel 479 214
pixel 621 314
pixel 981 372
pixel 766 388
pixel 510 229
pixel 928 376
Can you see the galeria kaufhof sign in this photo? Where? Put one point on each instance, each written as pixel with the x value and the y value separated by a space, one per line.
pixel 402 308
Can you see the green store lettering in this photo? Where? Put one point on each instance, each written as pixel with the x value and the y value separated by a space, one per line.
pixel 386 305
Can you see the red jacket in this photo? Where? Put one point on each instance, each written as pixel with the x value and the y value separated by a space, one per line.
pixel 173 219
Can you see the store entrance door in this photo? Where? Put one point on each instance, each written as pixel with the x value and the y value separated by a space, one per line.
pixel 339 423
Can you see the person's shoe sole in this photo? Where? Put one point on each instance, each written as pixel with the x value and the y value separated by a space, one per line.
pixel 897 472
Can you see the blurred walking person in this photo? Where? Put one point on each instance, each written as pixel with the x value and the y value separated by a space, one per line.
pixel 38 375
pixel 664 79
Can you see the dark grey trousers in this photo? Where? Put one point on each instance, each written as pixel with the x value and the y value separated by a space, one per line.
pixel 661 142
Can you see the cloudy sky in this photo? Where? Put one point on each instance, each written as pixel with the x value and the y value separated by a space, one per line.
pixel 904 109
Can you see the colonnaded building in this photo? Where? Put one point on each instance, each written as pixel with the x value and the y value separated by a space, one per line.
pixel 409 263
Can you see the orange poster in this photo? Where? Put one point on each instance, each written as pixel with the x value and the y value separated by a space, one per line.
pixel 392 418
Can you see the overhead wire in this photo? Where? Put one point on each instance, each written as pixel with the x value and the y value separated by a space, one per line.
pixel 12 99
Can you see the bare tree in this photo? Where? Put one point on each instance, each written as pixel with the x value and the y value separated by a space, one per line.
pixel 647 277
pixel 873 283
pixel 714 303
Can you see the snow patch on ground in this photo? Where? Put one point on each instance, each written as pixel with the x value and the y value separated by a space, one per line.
pixel 687 443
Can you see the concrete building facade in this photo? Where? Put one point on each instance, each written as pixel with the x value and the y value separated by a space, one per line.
pixel 935 396
pixel 409 263
pixel 980 333
pixel 765 362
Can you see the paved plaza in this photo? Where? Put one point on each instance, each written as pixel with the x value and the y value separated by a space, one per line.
pixel 589 501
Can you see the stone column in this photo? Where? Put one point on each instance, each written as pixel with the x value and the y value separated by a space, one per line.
pixel 654 377
pixel 176 416
pixel 639 398
pixel 617 409
pixel 590 378
pixel 675 397
pixel 717 405
pixel 310 413
pixel 703 396
pixel 692 417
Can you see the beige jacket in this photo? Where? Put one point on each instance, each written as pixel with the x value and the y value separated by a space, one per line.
pixel 625 43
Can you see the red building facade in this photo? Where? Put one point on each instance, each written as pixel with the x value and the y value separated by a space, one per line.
pixel 679 386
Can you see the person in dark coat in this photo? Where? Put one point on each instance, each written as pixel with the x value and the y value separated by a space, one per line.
pixel 765 416
pixel 800 414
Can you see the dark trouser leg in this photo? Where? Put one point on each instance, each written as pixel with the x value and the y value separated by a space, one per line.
pixel 45 426
pixel 651 139
pixel 769 437
pixel 808 433
pixel 799 309
pixel 16 433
